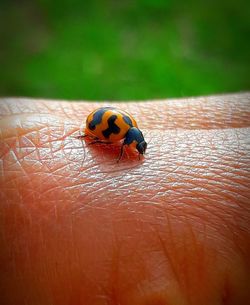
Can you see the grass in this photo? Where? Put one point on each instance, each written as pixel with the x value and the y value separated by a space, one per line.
pixel 123 50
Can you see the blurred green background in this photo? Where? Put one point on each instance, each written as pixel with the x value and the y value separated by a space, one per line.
pixel 114 50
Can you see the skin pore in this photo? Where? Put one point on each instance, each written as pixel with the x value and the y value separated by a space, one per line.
pixel 172 228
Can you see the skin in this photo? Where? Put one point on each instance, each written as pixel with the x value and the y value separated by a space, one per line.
pixel 173 228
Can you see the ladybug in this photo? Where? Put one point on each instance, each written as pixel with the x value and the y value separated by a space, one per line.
pixel 108 125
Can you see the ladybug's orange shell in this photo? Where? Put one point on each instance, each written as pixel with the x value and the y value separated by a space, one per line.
pixel 109 124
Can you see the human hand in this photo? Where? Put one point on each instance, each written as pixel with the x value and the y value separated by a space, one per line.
pixel 173 228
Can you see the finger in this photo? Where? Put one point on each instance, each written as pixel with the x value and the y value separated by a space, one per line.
pixel 222 111
pixel 78 228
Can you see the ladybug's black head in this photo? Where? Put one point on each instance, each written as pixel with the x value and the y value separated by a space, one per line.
pixel 141 147
pixel 134 135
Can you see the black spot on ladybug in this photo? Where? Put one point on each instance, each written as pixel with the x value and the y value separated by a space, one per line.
pixel 91 126
pixel 97 118
pixel 127 120
pixel 113 128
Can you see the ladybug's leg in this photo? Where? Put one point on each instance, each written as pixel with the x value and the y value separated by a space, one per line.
pixel 94 139
pixel 81 136
pixel 121 153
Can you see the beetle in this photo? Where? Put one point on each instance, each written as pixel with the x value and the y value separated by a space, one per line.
pixel 109 125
